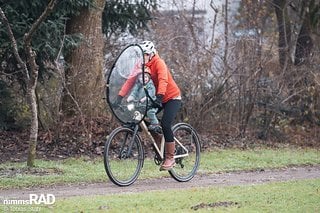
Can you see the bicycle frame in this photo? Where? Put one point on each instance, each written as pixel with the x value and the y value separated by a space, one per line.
pixel 159 150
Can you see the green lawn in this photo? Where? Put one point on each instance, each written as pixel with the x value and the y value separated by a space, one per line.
pixel 15 175
pixel 293 196
pixel 290 196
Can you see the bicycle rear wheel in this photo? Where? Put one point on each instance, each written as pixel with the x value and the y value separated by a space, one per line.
pixel 122 165
pixel 187 141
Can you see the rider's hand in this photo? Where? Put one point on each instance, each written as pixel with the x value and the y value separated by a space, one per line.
pixel 158 102
pixel 142 100
pixel 130 98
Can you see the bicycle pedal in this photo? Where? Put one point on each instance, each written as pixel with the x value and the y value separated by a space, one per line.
pixel 157 161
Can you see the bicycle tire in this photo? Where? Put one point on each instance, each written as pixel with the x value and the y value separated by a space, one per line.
pixel 186 167
pixel 121 168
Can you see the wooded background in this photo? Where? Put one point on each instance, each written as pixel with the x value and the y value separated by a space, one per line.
pixel 251 71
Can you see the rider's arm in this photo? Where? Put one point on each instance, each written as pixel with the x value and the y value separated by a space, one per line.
pixel 162 73
pixel 151 90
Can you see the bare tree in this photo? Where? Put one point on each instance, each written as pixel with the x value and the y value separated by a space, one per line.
pixel 30 69
pixel 304 43
pixel 226 39
pixel 236 82
pixel 284 30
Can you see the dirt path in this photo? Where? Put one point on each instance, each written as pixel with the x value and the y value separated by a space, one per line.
pixel 222 179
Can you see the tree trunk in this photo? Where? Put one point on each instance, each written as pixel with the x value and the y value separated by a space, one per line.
pixel 226 39
pixel 284 30
pixel 84 74
pixel 32 82
pixel 31 93
pixel 304 42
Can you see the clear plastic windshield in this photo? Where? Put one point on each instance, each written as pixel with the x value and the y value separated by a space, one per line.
pixel 123 81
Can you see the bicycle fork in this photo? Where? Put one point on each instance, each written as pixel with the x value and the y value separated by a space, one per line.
pixel 125 153
pixel 131 142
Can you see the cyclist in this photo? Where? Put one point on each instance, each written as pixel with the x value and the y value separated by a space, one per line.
pixel 168 97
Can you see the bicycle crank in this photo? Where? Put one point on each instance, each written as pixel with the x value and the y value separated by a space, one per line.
pixel 157 159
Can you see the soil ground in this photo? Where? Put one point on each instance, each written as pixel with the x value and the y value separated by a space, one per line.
pixel 218 179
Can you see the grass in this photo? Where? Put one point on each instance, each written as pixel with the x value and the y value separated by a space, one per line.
pixel 233 159
pixel 16 175
pixel 291 196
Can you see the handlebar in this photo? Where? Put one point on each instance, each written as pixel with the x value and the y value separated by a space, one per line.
pixel 135 109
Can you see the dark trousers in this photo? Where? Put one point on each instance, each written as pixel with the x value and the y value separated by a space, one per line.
pixel 170 110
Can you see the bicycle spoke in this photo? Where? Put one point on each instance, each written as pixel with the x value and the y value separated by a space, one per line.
pixel 123 157
pixel 187 154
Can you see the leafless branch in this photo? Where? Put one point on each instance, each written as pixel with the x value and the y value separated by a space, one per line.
pixel 35 25
pixel 14 43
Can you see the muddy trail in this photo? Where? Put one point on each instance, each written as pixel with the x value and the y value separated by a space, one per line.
pixel 218 179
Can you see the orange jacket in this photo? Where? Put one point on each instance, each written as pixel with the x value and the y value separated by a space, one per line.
pixel 161 77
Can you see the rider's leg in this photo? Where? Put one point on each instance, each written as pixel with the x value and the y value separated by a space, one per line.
pixel 170 110
pixel 169 161
pixel 151 114
pixel 154 125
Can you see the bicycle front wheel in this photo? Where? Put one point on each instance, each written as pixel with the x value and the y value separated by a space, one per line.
pixel 123 156
pixel 187 152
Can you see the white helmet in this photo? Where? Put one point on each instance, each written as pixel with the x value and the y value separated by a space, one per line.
pixel 147 47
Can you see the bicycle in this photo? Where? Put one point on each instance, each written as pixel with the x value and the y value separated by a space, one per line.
pixel 124 152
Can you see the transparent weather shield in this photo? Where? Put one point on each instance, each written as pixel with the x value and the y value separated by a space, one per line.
pixel 121 80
